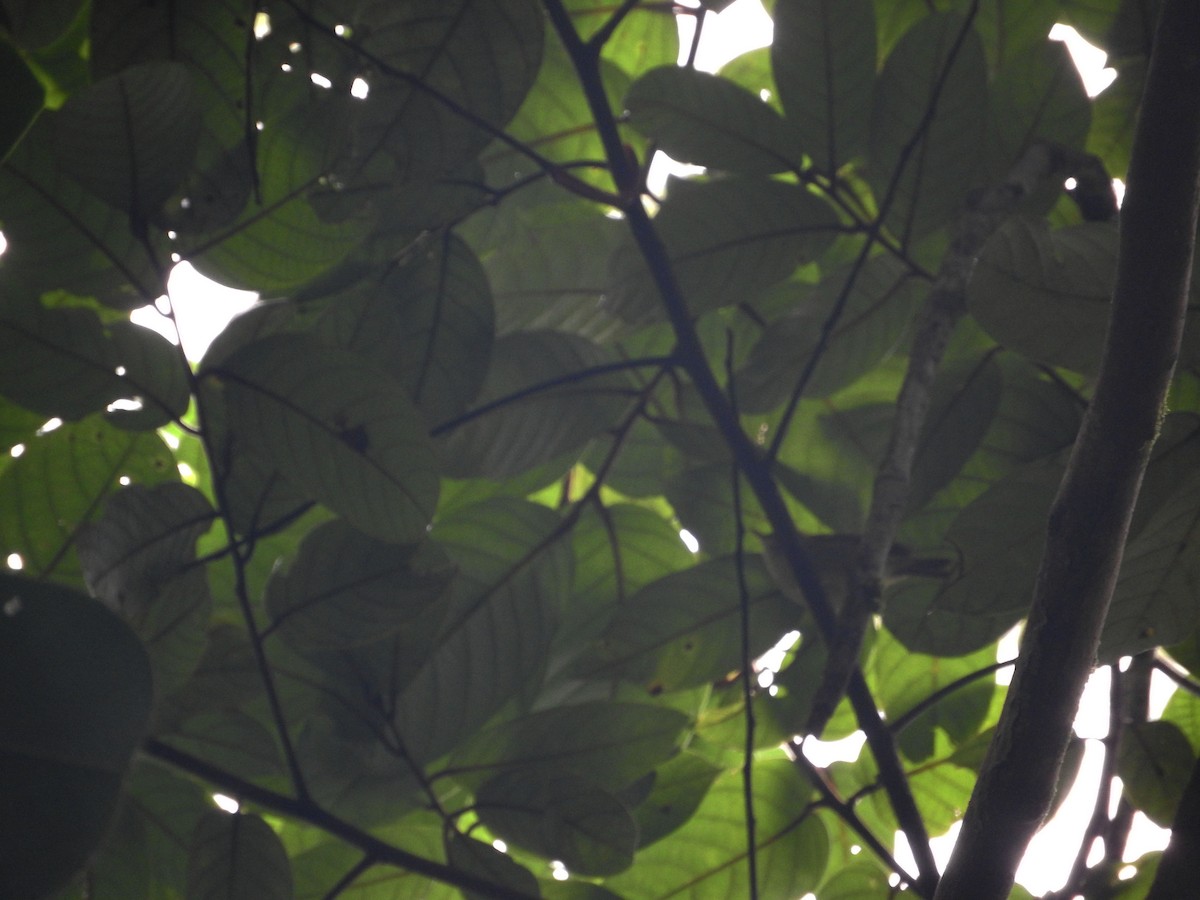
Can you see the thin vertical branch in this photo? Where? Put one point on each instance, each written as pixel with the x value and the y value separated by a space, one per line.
pixel 690 356
pixel 747 662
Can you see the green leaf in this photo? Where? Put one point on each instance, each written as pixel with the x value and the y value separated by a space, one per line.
pixel 965 400
pixel 706 858
pixel 878 302
pixel 823 56
pixel 339 429
pixel 1037 96
pixel 927 124
pixel 477 858
pixel 999 567
pixel 64 361
pixel 237 857
pixel 553 272
pixel 901 680
pixel 729 240
pixel 130 138
pixel 709 121
pixel 498 624
pixel 23 98
pixel 680 785
pixel 62 237
pixel 683 630
pixel 647 37
pixel 546 394
pixel 1011 27
pixel 612 743
pixel 145 536
pixel 280 241
pixel 75 696
pixel 617 551
pixel 560 816
pixel 235 741
pixel 427 321
pixel 345 588
pixel 1046 294
pixel 61 481
pixel 1155 603
pixel 145 851
pixel 1154 763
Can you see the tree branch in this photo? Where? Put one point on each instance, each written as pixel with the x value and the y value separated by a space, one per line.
pixel 1089 520
pixel 304 811
pixel 689 354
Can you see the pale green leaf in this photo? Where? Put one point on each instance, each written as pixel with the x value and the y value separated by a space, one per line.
pixel 62 480
pixel 1154 763
pixel 706 858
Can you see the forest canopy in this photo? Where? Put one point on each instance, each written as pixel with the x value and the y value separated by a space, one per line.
pixel 398 568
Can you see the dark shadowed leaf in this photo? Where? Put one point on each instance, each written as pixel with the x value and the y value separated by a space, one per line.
pixel 611 743
pixel 1154 763
pixel 1046 294
pixel 237 857
pixel 927 124
pixel 560 816
pixel 75 696
pixel 485 861
pixel 130 138
pixel 823 57
pixel 706 120
pixel 729 240
pixel 683 630
pixel 345 588
pixel 338 428
pixel 545 394
pixel 427 321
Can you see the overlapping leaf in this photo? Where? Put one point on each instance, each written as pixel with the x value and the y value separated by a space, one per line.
pixel 131 137
pixel 62 480
pixel 338 428
pixel 345 588
pixel 823 56
pixel 729 240
pixel 1046 294
pixel 237 857
pixel 927 123
pixel 706 120
pixel 613 744
pixel 62 237
pixel 707 856
pixel 545 394
pixel 684 630
pixel 427 321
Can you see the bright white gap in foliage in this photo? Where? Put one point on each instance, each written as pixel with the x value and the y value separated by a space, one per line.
pixel 226 803
pixel 15 562
pixel 689 540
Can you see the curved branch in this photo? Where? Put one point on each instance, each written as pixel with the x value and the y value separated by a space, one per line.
pixel 1089 520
